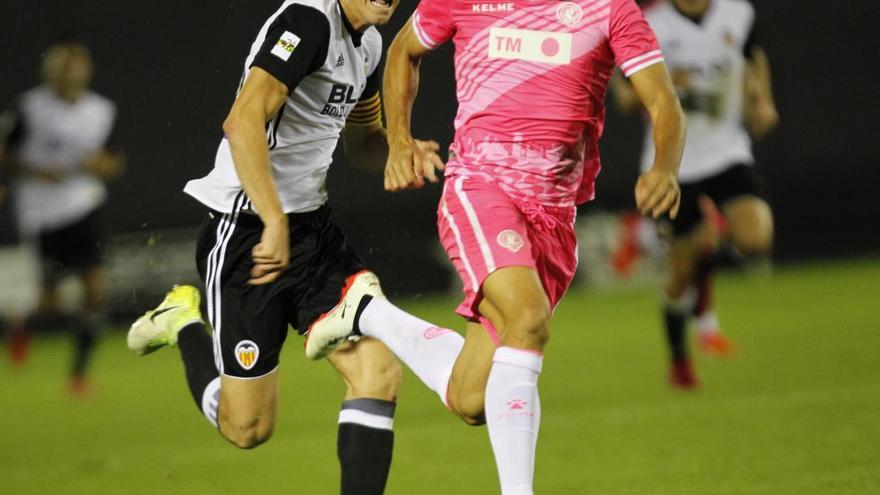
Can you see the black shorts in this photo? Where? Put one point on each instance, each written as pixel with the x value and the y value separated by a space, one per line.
pixel 734 182
pixel 77 247
pixel 250 321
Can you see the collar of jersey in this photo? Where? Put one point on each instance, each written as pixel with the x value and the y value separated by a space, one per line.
pixel 355 34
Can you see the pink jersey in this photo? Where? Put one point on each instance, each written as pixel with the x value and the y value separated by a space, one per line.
pixel 531 78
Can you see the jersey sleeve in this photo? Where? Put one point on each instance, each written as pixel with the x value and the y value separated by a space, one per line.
pixel 632 40
pixel 296 45
pixel 432 23
pixel 11 127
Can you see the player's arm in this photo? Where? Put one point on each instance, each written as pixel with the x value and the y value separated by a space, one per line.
pixel 11 131
pixel 259 100
pixel 657 190
pixel 625 96
pixel 295 45
pixel 365 138
pixel 761 113
pixel 409 164
pixel 108 163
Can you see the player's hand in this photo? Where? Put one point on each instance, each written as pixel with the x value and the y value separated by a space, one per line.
pixel 762 119
pixel 411 163
pixel 657 193
pixel 272 255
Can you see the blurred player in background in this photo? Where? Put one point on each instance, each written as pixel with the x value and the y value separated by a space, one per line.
pixel 268 251
pixel 531 81
pixel 723 80
pixel 58 144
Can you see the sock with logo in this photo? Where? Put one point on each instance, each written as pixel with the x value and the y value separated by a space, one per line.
pixel 428 350
pixel 197 351
pixel 513 416
pixel 365 443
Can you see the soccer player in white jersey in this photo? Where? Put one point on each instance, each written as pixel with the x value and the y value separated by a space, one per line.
pixel 723 79
pixel 268 252
pixel 58 143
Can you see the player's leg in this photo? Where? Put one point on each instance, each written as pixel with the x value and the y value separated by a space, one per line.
pixel 679 293
pixel 365 440
pixel 712 229
pixel 751 225
pixel 512 404
pixel 88 322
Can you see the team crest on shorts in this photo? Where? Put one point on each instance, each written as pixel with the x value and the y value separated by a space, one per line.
pixel 510 241
pixel 569 13
pixel 246 353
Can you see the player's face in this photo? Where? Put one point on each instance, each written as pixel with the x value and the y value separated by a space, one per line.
pixel 68 68
pixel 377 12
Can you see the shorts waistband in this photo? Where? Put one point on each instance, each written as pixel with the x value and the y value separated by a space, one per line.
pixel 250 219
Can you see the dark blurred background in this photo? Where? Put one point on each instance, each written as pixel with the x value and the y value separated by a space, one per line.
pixel 172 68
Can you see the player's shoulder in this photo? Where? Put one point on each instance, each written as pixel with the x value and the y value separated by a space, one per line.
pixel 35 96
pixel 100 102
pixel 737 9
pixel 658 10
pixel 372 39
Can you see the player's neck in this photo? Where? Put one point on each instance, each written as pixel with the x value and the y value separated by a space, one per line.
pixel 694 9
pixel 352 17
pixel 68 94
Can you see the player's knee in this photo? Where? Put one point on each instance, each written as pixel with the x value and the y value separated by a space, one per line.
pixel 529 325
pixel 379 380
pixel 246 434
pixel 753 243
pixel 470 407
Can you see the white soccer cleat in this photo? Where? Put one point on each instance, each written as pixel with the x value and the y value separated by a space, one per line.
pixel 159 327
pixel 336 326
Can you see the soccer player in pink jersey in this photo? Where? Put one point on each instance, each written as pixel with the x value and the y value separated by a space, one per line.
pixel 531 82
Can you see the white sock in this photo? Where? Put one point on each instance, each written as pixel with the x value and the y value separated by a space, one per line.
pixel 428 350
pixel 211 400
pixel 513 416
pixel 708 322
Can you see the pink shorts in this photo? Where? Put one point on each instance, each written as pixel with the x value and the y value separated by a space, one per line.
pixel 483 229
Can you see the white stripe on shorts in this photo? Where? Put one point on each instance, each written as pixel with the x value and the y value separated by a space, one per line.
pixel 475 225
pixel 225 229
pixel 461 251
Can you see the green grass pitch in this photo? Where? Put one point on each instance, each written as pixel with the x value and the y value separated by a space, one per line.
pixel 796 411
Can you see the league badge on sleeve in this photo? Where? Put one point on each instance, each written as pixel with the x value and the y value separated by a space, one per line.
pixel 286 45
pixel 246 353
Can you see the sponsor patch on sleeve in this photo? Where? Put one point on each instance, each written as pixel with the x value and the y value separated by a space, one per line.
pixel 286 45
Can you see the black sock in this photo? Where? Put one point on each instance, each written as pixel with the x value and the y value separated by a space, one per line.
pixel 364 445
pixel 676 332
pixel 197 351
pixel 85 327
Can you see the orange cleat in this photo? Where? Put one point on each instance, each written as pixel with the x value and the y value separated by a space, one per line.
pixel 79 386
pixel 716 344
pixel 681 375
pixel 19 345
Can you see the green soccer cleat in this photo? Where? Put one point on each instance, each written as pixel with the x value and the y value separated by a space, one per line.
pixel 159 327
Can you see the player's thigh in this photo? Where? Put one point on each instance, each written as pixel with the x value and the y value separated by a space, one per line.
pixel 247 410
pixel 369 370
pixel 467 385
pixel 520 305
pixel 751 224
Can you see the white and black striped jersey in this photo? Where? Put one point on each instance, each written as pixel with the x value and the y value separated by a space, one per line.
pixel 707 59
pixel 328 66
pixel 45 132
